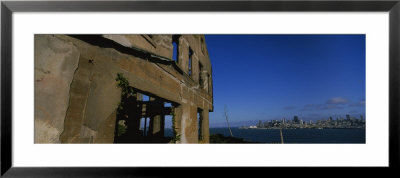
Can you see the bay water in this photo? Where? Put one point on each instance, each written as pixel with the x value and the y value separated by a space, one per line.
pixel 292 135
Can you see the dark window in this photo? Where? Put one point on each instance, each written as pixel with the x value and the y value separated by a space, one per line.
pixel 200 119
pixel 175 44
pixel 190 62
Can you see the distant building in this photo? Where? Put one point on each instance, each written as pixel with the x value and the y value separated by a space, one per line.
pixel 347 116
pixel 259 124
pixel 296 119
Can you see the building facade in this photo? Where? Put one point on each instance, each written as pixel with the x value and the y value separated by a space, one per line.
pixel 104 88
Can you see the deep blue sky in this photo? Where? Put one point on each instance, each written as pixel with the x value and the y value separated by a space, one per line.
pixel 264 77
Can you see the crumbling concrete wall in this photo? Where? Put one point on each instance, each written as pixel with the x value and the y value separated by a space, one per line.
pixel 55 64
pixel 76 97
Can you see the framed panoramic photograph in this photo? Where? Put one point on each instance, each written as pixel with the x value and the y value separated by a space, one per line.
pixel 102 88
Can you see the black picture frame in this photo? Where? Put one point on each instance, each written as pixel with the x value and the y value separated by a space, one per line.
pixel 8 7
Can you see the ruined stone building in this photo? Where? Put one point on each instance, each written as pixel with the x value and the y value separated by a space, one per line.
pixel 104 88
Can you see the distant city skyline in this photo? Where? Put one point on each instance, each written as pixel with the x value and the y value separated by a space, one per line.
pixel 270 77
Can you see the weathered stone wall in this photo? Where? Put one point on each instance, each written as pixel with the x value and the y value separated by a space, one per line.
pixel 75 89
pixel 55 64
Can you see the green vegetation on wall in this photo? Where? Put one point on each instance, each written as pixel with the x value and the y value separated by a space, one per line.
pixel 123 83
pixel 121 128
pixel 175 136
pixel 126 90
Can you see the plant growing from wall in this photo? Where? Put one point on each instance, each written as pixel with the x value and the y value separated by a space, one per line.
pixel 126 91
pixel 121 128
pixel 123 83
pixel 175 136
